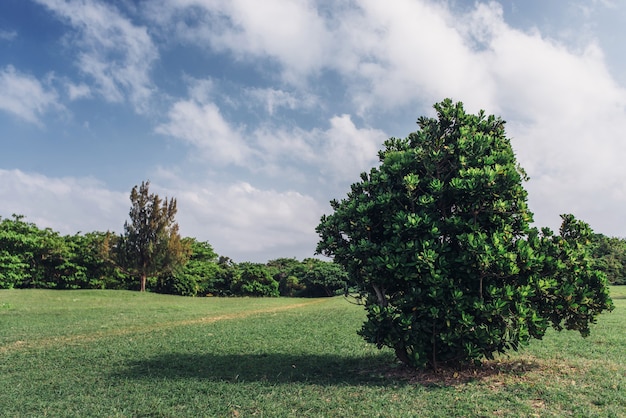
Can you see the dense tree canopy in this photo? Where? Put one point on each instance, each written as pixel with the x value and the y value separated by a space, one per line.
pixel 609 254
pixel 34 257
pixel 438 240
pixel 255 279
pixel 31 257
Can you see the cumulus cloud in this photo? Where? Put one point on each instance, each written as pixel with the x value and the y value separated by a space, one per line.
pixel 248 223
pixel 289 32
pixel 7 35
pixel 78 91
pixel 67 204
pixel 350 150
pixel 341 151
pixel 387 56
pixel 337 154
pixel 407 53
pixel 275 99
pixel 203 126
pixel 25 96
pixel 114 52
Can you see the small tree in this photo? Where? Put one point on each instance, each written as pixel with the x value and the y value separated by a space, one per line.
pixel 199 276
pixel 255 279
pixel 323 278
pixel 610 257
pixel 437 239
pixel 287 272
pixel 151 244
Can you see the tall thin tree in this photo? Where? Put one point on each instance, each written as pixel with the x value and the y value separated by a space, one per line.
pixel 151 243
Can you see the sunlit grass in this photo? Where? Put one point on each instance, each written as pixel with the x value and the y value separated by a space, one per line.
pixel 114 353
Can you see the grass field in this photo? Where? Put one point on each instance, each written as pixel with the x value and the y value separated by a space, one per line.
pixel 123 354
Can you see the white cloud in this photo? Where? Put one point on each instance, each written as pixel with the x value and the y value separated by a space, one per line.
pixel 410 52
pixel 203 126
pixel 341 151
pixel 387 56
pixel 67 204
pixel 290 32
pixel 274 99
pixel 248 223
pixel 346 151
pixel 6 35
pixel 78 91
pixel 200 90
pixel 24 96
pixel 115 53
pixel 323 159
pixel 293 145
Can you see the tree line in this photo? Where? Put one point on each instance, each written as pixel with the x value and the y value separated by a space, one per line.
pixel 150 256
pixel 32 257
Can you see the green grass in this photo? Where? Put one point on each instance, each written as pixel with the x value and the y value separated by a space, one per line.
pixel 123 354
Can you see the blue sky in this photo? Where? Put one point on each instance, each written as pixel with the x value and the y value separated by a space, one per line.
pixel 254 114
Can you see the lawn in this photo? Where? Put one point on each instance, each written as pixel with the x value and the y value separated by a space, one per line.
pixel 126 354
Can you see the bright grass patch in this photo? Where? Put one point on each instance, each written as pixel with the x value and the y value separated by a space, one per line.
pixel 123 354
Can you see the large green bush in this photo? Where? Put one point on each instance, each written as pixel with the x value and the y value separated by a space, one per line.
pixel 437 239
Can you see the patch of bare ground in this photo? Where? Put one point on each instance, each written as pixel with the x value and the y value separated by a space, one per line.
pixel 492 373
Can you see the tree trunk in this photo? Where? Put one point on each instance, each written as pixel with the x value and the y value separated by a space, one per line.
pixel 142 287
pixel 402 355
pixel 380 295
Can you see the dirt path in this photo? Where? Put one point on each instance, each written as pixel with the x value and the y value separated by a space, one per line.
pixel 145 329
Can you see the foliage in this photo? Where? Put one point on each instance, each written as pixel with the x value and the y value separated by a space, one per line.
pixel 437 239
pixel 571 291
pixel 33 257
pixel 311 277
pixel 226 274
pixel 201 275
pixel 90 252
pixel 16 252
pixel 610 256
pixel 151 244
pixel 286 271
pixel 254 279
pixel 323 278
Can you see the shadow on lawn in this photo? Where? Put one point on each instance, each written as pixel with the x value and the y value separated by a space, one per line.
pixel 376 370
pixel 270 367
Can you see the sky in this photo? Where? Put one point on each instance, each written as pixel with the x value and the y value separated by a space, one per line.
pixel 253 115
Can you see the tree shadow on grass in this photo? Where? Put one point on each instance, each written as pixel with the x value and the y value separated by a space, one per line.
pixel 264 367
pixel 331 370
